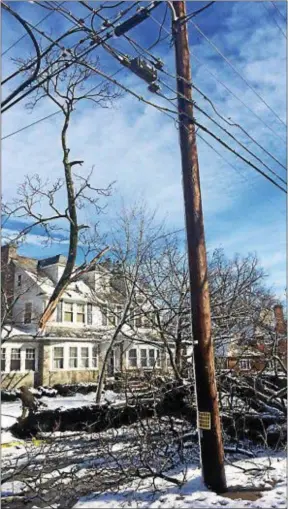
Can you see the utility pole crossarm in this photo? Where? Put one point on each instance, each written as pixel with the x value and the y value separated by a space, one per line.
pixel 209 426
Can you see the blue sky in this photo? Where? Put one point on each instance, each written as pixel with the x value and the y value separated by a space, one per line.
pixel 137 146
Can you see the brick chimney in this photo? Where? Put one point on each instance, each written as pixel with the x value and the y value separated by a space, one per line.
pixel 8 252
pixel 280 323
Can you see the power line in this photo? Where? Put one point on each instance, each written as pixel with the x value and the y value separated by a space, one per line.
pixel 113 52
pixel 30 125
pixel 273 17
pixel 228 89
pixel 97 42
pixel 278 10
pixel 38 56
pixel 167 110
pixel 227 132
pixel 235 70
pixel 205 129
pixel 234 168
pixel 25 35
pixel 55 112
pixel 134 43
pixel 143 51
pixel 97 71
pixel 195 13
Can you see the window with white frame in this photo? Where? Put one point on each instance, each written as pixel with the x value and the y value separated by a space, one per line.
pixel 245 364
pixel 58 357
pixel 94 356
pixel 154 358
pixel 84 358
pixel 89 313
pixel 28 312
pixel 59 311
pixel 15 363
pixel 73 357
pixel 68 311
pixel 81 313
pixel 19 280
pixel 30 359
pixel 132 358
pixel 143 358
pixel 3 359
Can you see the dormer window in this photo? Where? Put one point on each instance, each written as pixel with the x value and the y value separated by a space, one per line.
pixel 81 313
pixel 68 311
pixel 19 280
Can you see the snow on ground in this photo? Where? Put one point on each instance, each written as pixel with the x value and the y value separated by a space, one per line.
pixel 12 488
pixel 195 495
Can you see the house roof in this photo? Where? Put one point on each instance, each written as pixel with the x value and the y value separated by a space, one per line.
pixel 52 260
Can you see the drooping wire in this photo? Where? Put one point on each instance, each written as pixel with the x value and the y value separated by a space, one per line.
pixel 25 35
pixel 67 64
pixel 38 57
pixel 195 13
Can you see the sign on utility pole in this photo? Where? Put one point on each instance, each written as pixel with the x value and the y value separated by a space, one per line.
pixel 209 425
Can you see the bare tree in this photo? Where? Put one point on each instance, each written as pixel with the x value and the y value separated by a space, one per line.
pixel 66 90
pixel 131 238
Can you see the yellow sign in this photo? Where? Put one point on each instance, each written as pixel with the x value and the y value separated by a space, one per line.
pixel 35 442
pixel 204 420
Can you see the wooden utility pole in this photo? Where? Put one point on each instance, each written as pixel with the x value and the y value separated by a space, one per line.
pixel 209 426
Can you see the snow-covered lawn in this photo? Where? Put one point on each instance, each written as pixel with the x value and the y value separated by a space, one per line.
pixel 142 494
pixel 11 411
pixel 72 457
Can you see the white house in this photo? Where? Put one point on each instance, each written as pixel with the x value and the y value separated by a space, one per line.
pixel 77 336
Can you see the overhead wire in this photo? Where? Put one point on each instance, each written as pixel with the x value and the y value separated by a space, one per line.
pixel 243 177
pixel 273 17
pixel 228 147
pixel 25 35
pixel 278 10
pixel 227 88
pixel 195 13
pixel 34 75
pixel 193 120
pixel 55 112
pixel 30 125
pixel 167 110
pixel 143 51
pixel 225 130
pixel 74 60
pixel 160 30
pixel 113 51
pixel 235 69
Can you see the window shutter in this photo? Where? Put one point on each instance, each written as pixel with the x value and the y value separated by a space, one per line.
pixel 59 311
pixel 89 313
